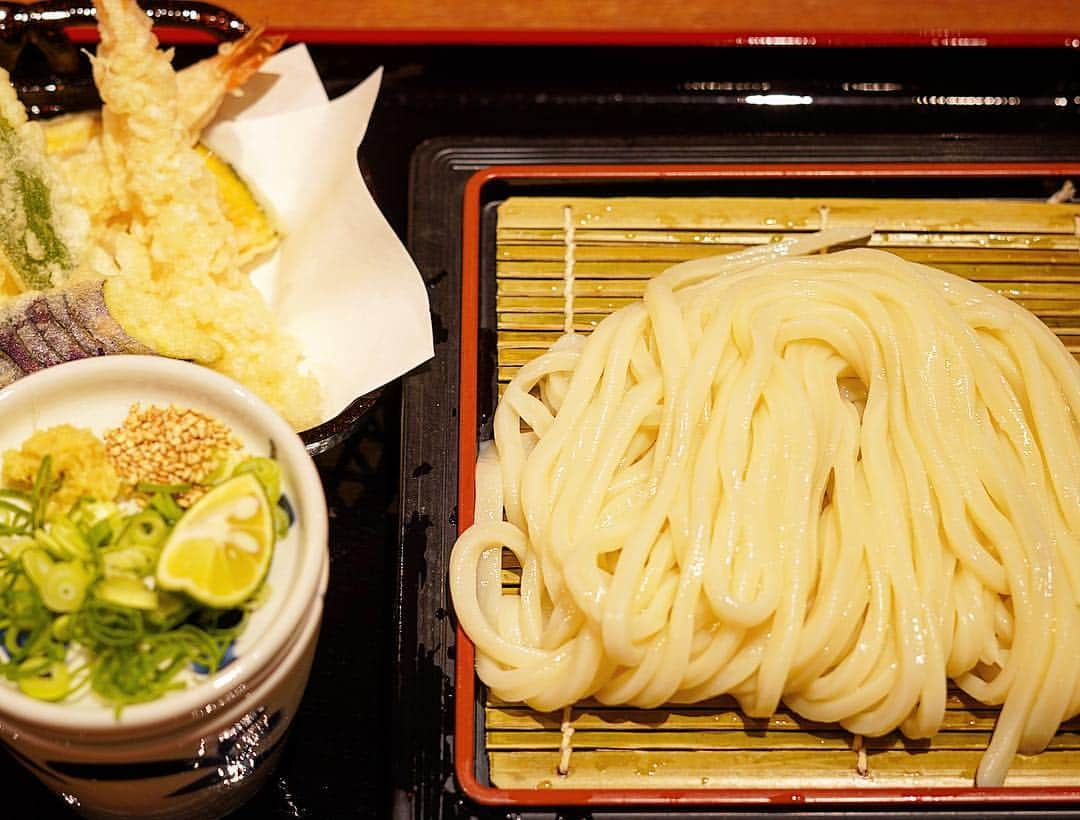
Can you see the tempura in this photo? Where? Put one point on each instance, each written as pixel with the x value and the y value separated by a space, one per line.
pixel 155 226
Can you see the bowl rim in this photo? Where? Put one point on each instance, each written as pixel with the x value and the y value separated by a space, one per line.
pixel 205 697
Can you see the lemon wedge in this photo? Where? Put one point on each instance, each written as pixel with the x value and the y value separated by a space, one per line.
pixel 219 551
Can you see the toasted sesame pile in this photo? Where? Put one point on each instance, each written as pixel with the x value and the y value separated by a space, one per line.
pixel 168 445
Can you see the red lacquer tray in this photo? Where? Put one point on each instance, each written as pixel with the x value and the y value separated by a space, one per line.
pixel 468 746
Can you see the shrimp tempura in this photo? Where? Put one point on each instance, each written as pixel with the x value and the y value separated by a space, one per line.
pixel 180 289
pixel 160 183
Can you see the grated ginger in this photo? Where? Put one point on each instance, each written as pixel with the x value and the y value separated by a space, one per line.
pixel 79 459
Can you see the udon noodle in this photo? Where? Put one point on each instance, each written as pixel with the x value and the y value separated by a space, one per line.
pixel 836 481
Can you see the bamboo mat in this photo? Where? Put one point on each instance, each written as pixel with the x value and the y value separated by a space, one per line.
pixel 1027 251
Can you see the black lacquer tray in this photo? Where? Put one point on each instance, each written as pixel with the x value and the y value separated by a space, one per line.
pixel 430 750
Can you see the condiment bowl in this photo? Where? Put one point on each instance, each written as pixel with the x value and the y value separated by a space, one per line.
pixel 203 750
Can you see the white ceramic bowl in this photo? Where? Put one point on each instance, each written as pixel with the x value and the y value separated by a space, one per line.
pixel 202 751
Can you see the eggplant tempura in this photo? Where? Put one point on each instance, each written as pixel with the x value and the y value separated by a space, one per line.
pixel 119 224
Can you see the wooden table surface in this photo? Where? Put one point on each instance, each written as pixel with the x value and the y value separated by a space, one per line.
pixel 1054 23
pixel 1041 22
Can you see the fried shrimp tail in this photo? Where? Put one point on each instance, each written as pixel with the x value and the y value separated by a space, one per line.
pixel 203 86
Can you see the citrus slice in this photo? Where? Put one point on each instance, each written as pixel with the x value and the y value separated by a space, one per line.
pixel 219 550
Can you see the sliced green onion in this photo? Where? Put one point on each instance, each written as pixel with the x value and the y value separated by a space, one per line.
pixel 98 521
pixel 65 586
pixel 99 534
pixel 144 529
pixel 52 682
pixel 44 486
pixel 268 473
pixel 151 488
pixel 19 508
pixel 167 506
pixel 111 625
pixel 224 468
pixel 63 539
pixel 129 560
pixel 281 522
pixel 124 675
pixel 172 610
pixel 37 564
pixel 77 578
pixel 63 628
pixel 123 590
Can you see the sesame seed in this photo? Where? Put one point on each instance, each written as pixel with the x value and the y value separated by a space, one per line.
pixel 167 445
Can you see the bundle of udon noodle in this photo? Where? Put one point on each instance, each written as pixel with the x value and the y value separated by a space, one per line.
pixel 835 481
pixel 118 234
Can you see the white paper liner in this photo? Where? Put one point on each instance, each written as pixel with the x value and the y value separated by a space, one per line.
pixel 341 281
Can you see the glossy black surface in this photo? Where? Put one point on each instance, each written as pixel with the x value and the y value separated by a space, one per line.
pixel 346 755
